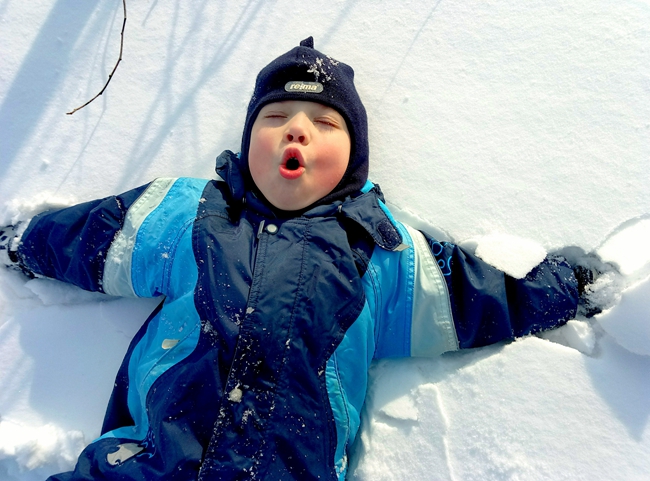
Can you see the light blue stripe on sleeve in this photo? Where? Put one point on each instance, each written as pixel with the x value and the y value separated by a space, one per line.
pixel 156 246
pixel 117 269
pixel 432 326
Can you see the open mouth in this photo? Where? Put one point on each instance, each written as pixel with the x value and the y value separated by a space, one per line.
pixel 292 165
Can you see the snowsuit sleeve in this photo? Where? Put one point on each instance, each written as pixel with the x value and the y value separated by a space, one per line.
pixel 121 245
pixel 437 297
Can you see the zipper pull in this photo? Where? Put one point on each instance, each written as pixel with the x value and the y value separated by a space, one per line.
pixel 260 229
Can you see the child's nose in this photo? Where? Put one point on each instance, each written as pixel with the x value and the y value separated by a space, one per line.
pixel 296 132
pixel 299 138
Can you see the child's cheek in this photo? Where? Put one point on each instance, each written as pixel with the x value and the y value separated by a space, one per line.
pixel 261 145
pixel 334 163
pixel 260 154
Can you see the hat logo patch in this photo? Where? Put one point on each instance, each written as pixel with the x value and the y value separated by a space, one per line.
pixel 306 87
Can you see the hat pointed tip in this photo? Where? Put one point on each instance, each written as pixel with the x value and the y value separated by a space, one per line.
pixel 308 42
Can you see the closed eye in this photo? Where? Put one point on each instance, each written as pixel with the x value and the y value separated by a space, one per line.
pixel 328 122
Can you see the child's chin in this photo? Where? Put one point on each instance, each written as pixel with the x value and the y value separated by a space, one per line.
pixel 290 204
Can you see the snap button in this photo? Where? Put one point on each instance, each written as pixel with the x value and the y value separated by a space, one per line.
pixel 271 228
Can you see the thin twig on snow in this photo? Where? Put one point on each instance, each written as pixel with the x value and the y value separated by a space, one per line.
pixel 110 76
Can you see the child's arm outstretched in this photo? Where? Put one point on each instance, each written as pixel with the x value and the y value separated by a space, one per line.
pixel 437 297
pixel 120 245
pixel 489 305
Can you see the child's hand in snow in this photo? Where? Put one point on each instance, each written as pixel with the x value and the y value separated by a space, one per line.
pixel 9 239
pixel 598 284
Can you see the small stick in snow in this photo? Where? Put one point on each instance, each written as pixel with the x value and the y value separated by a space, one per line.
pixel 110 76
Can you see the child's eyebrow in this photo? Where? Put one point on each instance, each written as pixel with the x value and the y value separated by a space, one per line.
pixel 274 112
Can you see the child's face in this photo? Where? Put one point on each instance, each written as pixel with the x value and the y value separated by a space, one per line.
pixel 298 153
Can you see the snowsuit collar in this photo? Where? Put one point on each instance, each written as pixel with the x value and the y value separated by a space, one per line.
pixel 365 208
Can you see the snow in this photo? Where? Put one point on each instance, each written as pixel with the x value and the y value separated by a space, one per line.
pixel 627 248
pixel 629 321
pixel 531 409
pixel 511 254
pixel 512 129
pixel 576 334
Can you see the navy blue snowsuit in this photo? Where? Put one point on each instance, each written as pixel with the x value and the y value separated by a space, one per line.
pixel 254 365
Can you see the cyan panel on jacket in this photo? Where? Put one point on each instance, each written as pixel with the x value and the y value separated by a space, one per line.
pixel 347 382
pixel 415 317
pixel 153 255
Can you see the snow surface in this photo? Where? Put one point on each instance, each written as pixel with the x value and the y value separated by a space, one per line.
pixel 514 128
pixel 629 321
pixel 513 255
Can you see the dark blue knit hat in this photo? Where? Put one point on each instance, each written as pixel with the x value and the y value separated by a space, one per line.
pixel 306 74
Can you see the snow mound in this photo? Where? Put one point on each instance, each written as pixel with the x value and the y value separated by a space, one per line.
pixel 28 453
pixel 629 321
pixel 514 255
pixel 629 248
pixel 22 210
pixel 576 334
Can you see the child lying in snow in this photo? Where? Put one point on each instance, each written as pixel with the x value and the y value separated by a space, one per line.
pixel 280 282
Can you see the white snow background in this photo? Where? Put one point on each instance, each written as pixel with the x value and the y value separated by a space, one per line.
pixel 516 128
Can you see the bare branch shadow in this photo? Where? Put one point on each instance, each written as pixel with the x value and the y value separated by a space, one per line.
pixel 146 147
pixel 39 75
